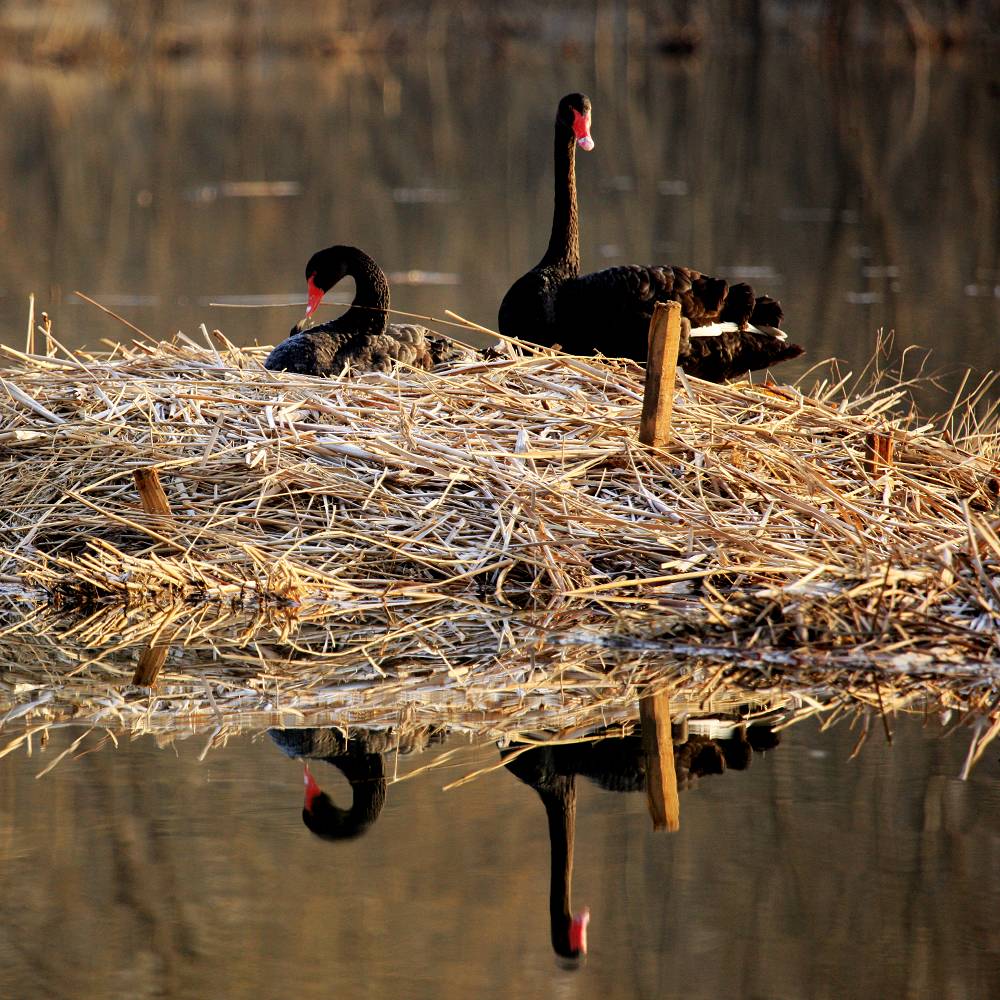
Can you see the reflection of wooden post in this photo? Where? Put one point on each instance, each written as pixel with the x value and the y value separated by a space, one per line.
pixel 661 371
pixel 661 777
pixel 151 660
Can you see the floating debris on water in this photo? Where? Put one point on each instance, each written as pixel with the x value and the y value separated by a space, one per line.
pixel 424 195
pixel 243 189
pixel 417 277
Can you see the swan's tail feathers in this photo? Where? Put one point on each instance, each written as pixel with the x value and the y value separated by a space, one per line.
pixel 717 329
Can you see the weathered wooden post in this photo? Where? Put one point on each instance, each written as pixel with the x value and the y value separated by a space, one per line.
pixel 148 668
pixel 661 371
pixel 154 500
pixel 658 748
pixel 879 447
pixel 654 430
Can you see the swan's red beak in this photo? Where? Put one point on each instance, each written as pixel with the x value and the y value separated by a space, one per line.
pixel 313 791
pixel 315 295
pixel 578 931
pixel 581 129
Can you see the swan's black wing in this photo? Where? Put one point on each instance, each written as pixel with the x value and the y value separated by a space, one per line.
pixel 609 311
pixel 325 351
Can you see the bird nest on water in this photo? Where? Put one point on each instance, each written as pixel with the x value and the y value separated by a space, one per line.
pixel 512 482
pixel 776 536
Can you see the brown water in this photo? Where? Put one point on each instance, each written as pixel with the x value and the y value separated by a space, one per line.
pixel 142 872
pixel 864 194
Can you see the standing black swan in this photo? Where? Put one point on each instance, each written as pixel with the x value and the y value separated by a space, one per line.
pixel 609 310
pixel 362 336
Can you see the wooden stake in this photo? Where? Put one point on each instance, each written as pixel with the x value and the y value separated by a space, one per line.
pixel 661 370
pixel 154 500
pixel 661 777
pixel 879 446
pixel 151 660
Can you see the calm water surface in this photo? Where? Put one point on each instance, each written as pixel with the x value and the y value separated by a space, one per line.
pixel 864 194
pixel 145 872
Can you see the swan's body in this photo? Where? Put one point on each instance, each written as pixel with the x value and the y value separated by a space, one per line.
pixel 362 337
pixel 609 310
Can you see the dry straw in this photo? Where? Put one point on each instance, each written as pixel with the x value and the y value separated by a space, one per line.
pixel 772 536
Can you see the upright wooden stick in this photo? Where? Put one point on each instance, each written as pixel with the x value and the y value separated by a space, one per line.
pixel 878 451
pixel 661 777
pixel 661 369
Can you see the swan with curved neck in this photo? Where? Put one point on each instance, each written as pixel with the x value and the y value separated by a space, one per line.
pixel 727 330
pixel 540 769
pixel 362 337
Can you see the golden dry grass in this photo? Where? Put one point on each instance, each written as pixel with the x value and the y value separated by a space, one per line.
pixel 488 545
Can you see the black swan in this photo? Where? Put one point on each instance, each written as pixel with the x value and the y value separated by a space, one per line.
pixel 361 337
pixel 360 759
pixel 727 330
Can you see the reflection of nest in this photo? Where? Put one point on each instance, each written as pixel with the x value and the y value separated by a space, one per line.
pixel 451 667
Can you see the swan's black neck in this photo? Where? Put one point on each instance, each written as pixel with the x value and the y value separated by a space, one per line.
pixel 559 799
pixel 564 243
pixel 368 789
pixel 369 312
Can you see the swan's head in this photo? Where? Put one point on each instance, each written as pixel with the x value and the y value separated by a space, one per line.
pixel 574 114
pixel 571 943
pixel 324 270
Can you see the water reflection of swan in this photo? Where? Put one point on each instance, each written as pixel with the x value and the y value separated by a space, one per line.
pixel 609 310
pixel 616 763
pixel 360 337
pixel 360 758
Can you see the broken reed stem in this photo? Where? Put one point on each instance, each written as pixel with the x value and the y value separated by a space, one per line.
pixel 661 371
pixel 661 774
pixel 29 340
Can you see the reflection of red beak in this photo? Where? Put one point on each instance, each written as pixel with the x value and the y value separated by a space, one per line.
pixel 578 931
pixel 315 296
pixel 313 791
pixel 581 129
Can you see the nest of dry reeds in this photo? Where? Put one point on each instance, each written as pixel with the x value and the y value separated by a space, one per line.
pixel 775 516
pixel 487 546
